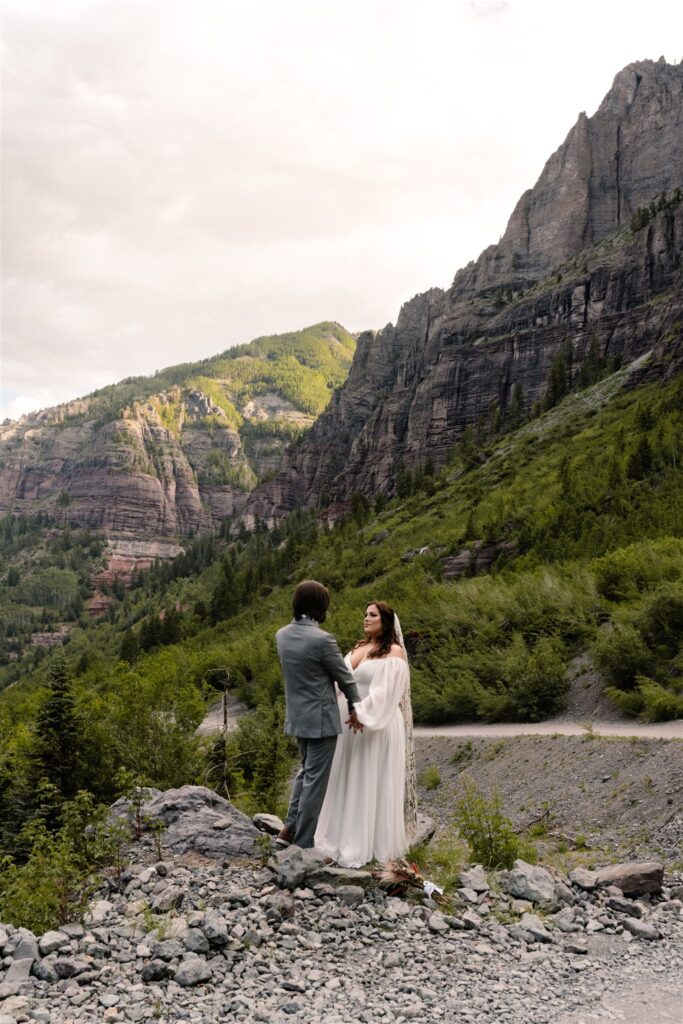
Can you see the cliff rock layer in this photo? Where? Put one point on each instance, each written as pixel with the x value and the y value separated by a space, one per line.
pixel 574 265
pixel 153 460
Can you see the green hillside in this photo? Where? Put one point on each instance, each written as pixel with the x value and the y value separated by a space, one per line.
pixel 267 391
pixel 581 510
pixel 301 366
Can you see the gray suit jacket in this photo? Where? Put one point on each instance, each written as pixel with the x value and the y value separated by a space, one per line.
pixel 311 664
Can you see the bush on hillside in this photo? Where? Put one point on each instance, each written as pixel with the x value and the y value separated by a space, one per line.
pixel 622 655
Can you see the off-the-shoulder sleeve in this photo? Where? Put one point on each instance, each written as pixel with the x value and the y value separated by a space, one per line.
pixel 386 689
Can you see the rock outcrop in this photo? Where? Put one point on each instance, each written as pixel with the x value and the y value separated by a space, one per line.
pixel 152 461
pixel 569 267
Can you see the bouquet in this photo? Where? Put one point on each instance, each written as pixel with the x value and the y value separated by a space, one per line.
pixel 398 877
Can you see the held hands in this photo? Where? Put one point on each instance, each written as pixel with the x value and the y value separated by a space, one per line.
pixel 353 723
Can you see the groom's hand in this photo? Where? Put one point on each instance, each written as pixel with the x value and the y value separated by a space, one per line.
pixel 353 723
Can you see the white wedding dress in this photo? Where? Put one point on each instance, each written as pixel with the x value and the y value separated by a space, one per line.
pixel 362 817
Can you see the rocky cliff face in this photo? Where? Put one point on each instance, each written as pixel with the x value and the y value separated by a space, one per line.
pixel 569 268
pixel 149 465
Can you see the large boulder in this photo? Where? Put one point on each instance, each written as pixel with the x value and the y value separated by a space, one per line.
pixel 634 878
pixel 529 882
pixel 198 820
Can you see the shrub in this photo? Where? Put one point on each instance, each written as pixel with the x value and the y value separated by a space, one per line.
pixel 621 655
pixel 430 778
pixel 661 622
pixel 659 704
pixel 487 831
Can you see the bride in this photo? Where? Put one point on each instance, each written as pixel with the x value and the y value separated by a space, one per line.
pixel 363 816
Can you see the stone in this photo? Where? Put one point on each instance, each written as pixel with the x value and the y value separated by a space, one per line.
pixel 51 941
pixel 193 972
pixel 19 970
pixel 530 882
pixel 474 878
pixel 623 906
pixel 633 878
pixel 641 929
pixel 532 924
pixel 196 941
pixel 437 923
pixel 155 970
pixel 294 865
pixel 168 949
pixel 215 927
pixel 26 947
pixel 44 970
pixel 170 898
pixel 190 814
pixel 577 948
pixel 351 895
pixel 585 879
pixel 268 823
pixel 99 912
pixel 468 896
pixel 70 967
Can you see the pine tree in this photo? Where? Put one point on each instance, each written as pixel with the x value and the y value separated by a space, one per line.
pixel 516 410
pixel 224 602
pixel 130 647
pixel 640 462
pixel 55 754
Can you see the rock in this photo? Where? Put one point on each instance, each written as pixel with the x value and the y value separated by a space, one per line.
pixel 51 941
pixel 623 906
pixel 191 815
pixel 155 970
pixel 294 865
pixel 70 967
pixel 471 920
pixel 215 927
pixel 530 883
pixel 26 946
pixel 437 923
pixel 193 972
pixel 99 912
pixel 269 823
pixel 468 896
pixel 586 880
pixel 196 941
pixel 44 970
pixel 641 929
pixel 578 948
pixel 170 898
pixel 563 894
pixel 634 879
pixel 532 923
pixel 351 895
pixel 474 878
pixel 566 921
pixel 18 971
pixel 169 949
pixel 445 356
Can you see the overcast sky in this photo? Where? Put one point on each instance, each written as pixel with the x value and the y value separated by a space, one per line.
pixel 179 177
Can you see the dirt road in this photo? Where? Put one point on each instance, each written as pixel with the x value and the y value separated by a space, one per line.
pixel 557 727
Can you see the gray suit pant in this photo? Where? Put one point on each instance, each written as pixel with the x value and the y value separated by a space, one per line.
pixel 309 788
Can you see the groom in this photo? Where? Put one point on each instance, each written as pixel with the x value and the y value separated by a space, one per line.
pixel 311 664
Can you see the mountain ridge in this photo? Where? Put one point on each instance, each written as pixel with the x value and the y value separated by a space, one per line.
pixel 454 356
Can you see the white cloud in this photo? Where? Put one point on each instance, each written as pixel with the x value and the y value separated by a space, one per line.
pixel 177 179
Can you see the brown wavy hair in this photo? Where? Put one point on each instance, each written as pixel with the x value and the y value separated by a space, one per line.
pixel 388 635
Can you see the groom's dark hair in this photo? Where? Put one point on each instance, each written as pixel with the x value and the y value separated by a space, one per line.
pixel 311 598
